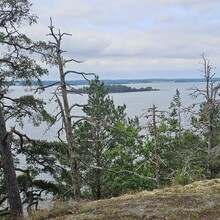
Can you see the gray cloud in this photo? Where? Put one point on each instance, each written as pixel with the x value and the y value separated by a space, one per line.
pixel 135 37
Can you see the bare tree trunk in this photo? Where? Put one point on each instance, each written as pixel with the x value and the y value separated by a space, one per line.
pixel 9 171
pixel 69 134
pixel 179 121
pixel 75 175
pixel 156 148
pixel 210 109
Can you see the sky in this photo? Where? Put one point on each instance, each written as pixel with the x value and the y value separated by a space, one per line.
pixel 135 39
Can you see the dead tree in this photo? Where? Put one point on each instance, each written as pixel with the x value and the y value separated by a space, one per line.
pixel 209 108
pixel 157 161
pixel 56 58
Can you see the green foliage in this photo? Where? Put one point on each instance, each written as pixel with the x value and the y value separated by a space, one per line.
pixel 24 107
pixel 115 89
pixel 129 159
pixel 42 158
pixel 93 135
pixel 100 105
pixel 2 37
pixel 17 48
pixel 180 179
pixel 24 182
pixel 114 158
pixel 45 157
pixel 17 63
pixel 107 144
pixel 181 158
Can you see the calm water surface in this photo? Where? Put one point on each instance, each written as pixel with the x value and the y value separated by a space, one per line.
pixel 136 103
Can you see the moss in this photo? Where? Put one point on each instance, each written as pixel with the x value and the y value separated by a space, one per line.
pixel 85 208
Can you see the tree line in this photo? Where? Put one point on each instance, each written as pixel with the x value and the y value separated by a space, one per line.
pixel 102 153
pixel 114 89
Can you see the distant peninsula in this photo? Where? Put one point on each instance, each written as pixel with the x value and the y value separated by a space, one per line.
pixel 116 89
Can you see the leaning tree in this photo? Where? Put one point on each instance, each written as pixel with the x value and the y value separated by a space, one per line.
pixel 16 63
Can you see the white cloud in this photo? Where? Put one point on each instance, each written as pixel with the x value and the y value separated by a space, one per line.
pixel 135 36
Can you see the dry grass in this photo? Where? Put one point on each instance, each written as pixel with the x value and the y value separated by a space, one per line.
pixel 199 200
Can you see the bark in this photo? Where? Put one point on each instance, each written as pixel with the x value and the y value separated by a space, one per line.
pixel 156 148
pixel 98 172
pixel 210 99
pixel 9 171
pixel 98 184
pixel 69 131
pixel 179 121
pixel 210 142
pixel 66 110
pixel 98 153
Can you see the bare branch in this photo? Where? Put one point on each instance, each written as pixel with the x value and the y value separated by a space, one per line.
pixel 3 198
pixel 72 60
pixel 81 117
pixel 79 73
pixel 61 110
pixel 77 105
pixel 45 87
pixel 118 171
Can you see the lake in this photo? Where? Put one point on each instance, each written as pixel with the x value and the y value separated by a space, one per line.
pixel 136 103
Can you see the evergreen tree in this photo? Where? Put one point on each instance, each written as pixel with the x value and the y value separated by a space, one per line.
pixel 94 137
pixel 181 156
pixel 16 64
pixel 180 159
pixel 129 158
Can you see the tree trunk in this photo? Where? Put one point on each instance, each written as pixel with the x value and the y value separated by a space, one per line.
pixel 74 173
pixel 98 184
pixel 9 171
pixel 71 146
pixel 66 111
pixel 98 147
pixel 98 173
pixel 210 143
pixel 156 148
pixel 69 134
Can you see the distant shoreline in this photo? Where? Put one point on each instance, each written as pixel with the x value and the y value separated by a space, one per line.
pixel 115 89
pixel 123 81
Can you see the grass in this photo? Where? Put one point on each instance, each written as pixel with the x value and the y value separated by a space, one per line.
pixel 199 200
pixel 85 208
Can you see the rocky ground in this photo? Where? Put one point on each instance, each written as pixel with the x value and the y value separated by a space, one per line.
pixel 199 200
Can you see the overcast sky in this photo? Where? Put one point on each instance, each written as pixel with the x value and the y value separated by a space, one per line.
pixel 125 39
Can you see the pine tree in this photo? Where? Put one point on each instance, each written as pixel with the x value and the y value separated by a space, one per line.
pixel 94 137
pixel 15 64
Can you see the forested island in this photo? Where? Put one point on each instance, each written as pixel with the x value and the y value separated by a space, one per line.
pixel 115 89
